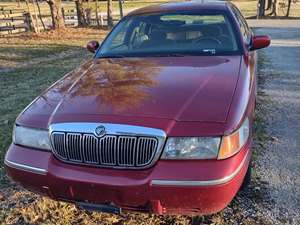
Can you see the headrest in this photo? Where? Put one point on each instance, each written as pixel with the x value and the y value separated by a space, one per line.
pixel 211 31
pixel 158 35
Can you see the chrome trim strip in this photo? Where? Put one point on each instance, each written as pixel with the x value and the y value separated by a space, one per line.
pixel 117 129
pixel 25 167
pixel 200 183
pixel 113 129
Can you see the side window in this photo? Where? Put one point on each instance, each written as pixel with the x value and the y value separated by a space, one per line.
pixel 243 25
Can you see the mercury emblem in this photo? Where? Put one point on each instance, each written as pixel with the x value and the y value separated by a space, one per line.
pixel 100 131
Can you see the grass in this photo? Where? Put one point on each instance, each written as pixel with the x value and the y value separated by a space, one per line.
pixel 29 65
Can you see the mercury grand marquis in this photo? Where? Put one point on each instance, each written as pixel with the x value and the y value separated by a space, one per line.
pixel 159 121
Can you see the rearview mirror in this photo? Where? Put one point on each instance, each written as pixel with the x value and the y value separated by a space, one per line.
pixel 260 41
pixel 92 46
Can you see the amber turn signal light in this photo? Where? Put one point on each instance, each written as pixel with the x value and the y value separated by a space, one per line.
pixel 232 143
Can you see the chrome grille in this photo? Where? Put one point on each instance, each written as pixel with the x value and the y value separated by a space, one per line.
pixel 145 145
pixel 89 149
pixel 74 147
pixel 109 151
pixel 58 141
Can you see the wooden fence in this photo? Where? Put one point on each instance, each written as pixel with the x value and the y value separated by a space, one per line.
pixel 14 21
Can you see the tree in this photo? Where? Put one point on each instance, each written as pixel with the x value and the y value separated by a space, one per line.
pixel 288 8
pixel 40 14
pixel 109 14
pixel 33 25
pixel 261 8
pixel 80 13
pixel 275 7
pixel 97 13
pixel 121 8
pixel 36 17
pixel 56 14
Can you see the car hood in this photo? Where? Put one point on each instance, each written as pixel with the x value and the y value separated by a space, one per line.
pixel 177 88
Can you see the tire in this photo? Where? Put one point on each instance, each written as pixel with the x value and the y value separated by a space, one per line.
pixel 247 179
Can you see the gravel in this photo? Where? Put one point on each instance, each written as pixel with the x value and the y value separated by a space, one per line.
pixel 279 164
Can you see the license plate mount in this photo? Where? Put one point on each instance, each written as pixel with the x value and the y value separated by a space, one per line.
pixel 106 208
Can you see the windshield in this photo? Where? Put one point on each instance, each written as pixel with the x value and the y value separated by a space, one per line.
pixel 171 34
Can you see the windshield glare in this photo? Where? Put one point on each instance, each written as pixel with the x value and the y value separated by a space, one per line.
pixel 170 34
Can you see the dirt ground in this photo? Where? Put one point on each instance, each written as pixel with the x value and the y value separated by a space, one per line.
pixel 272 198
pixel 279 166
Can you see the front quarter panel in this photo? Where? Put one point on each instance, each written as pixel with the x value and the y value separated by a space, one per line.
pixel 243 103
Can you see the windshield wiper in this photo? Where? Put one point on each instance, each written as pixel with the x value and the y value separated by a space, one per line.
pixel 147 55
pixel 176 54
pixel 112 56
pixel 167 55
pixel 170 54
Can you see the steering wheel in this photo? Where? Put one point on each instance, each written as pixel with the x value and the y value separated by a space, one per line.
pixel 208 40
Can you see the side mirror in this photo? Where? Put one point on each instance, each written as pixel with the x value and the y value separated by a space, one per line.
pixel 92 46
pixel 260 41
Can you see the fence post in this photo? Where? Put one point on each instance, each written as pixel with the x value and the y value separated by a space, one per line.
pixel 121 8
pixel 28 22
pixel 63 13
pixel 101 20
pixel 40 14
pixel 97 14
pixel 88 16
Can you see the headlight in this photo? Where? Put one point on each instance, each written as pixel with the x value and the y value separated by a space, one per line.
pixel 30 137
pixel 207 147
pixel 232 143
pixel 191 148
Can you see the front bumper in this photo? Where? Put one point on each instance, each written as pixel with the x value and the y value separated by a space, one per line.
pixel 169 187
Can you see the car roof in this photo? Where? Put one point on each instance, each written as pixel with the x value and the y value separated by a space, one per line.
pixel 182 6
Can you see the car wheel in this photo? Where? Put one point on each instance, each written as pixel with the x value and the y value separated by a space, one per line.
pixel 247 179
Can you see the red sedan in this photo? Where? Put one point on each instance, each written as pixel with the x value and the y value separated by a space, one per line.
pixel 160 120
